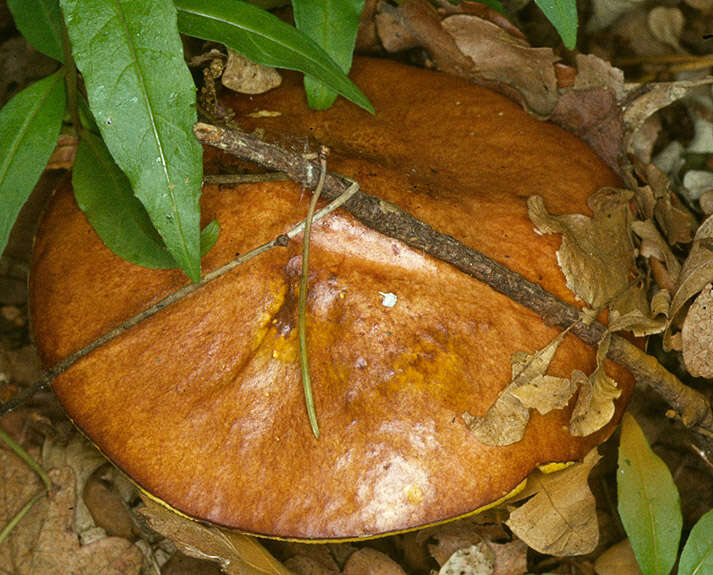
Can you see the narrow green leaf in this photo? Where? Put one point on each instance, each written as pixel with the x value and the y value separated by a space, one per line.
pixel 143 99
pixel 209 236
pixel 563 15
pixel 40 22
pixel 649 504
pixel 265 39
pixel 29 125
pixel 104 194
pixel 697 555
pixel 333 25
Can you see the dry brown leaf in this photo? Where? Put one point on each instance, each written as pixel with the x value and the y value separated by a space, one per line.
pixel 55 547
pixel 246 77
pixel 505 421
pixel 596 254
pixel 605 12
pixel 545 393
pixel 658 95
pixel 510 558
pixel 697 269
pixel 367 561
pixel 666 24
pixel 597 258
pixel 474 560
pixel 303 565
pixel 500 58
pixel 561 518
pixel 697 335
pixel 617 560
pixel 450 537
pixel 18 484
pixel 595 402
pixel 237 554
pixel 653 245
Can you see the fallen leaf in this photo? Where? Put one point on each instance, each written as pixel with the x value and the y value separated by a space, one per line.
pixel 597 258
pixel 617 560
pixel 500 58
pixel 596 254
pixel 237 554
pixel 597 392
pixel 666 24
pixel 246 77
pixel 510 558
pixel 505 421
pixel 604 12
pixel 367 561
pixel 561 518
pixel 697 270
pixel 653 245
pixel 473 560
pixel 303 565
pixel 45 542
pixel 697 335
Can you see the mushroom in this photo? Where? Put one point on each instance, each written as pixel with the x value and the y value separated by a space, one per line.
pixel 202 405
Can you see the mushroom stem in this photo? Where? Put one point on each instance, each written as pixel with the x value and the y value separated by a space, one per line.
pixel 396 223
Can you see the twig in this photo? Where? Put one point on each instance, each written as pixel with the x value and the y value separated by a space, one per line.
pixel 70 360
pixel 244 178
pixel 396 223
pixel 302 300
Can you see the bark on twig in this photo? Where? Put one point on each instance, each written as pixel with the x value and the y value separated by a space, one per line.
pixel 390 220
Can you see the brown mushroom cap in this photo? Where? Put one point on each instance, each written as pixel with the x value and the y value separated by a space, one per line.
pixel 202 404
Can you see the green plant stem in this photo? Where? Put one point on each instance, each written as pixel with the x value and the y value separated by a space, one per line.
pixel 70 79
pixel 22 454
pixel 302 301
pixel 20 514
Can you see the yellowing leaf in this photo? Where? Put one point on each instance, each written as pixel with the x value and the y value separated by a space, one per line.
pixel 505 421
pixel 595 402
pixel 237 554
pixel 561 518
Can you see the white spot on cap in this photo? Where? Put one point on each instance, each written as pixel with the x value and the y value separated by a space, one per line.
pixel 388 299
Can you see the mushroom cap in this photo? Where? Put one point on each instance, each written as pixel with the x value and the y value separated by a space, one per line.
pixel 202 404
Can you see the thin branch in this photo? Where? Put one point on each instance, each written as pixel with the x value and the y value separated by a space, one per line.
pixel 396 223
pixel 70 360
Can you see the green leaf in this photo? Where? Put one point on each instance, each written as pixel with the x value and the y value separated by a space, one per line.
pixel 333 25
pixel 104 194
pixel 209 236
pixel 649 504
pixel 265 39
pixel 40 22
pixel 697 555
pixel 143 99
pixel 29 125
pixel 563 15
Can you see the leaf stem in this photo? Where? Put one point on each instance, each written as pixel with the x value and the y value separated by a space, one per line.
pixel 302 301
pixel 22 454
pixel 20 514
pixel 70 79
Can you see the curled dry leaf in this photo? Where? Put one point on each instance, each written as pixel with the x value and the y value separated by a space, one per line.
pixel 666 24
pixel 597 258
pixel 505 421
pixel 595 402
pixel 247 77
pixel 697 269
pixel 697 335
pixel 653 245
pixel 500 58
pixel 561 518
pixel 237 554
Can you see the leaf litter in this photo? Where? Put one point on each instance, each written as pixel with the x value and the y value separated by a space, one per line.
pixel 589 102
